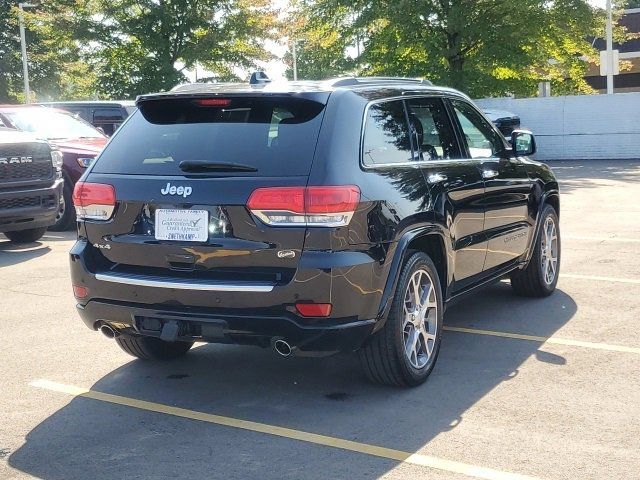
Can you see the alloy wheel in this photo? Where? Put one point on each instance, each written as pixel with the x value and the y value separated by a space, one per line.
pixel 420 319
pixel 549 251
pixel 61 209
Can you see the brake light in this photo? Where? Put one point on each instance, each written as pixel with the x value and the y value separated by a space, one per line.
pixel 94 201
pixel 331 206
pixel 314 309
pixel 214 102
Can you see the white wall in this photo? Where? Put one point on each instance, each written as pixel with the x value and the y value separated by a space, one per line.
pixel 579 127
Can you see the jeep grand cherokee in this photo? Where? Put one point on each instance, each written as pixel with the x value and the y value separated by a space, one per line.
pixel 309 217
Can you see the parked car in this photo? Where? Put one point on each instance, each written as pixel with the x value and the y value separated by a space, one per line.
pixel 506 122
pixel 309 217
pixel 78 141
pixel 106 116
pixel 30 185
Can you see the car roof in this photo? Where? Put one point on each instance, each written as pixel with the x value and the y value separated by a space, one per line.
pixel 371 88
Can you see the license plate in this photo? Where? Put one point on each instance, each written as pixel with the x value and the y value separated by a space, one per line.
pixel 182 225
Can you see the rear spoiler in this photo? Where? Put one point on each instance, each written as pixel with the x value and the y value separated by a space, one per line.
pixel 251 91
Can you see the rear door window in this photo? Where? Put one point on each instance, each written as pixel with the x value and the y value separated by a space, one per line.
pixel 432 129
pixel 277 136
pixel 386 135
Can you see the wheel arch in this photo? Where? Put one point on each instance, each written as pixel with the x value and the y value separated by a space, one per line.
pixel 430 240
pixel 550 197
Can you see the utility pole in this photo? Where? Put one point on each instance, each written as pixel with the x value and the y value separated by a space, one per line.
pixel 609 48
pixel 295 61
pixel 23 47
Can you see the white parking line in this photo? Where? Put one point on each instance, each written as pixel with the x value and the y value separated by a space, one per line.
pixel 314 438
pixel 601 239
pixel 633 281
pixel 555 340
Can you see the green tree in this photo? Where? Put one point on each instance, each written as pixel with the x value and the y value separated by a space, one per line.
pixel 55 66
pixel 146 45
pixel 484 47
pixel 322 44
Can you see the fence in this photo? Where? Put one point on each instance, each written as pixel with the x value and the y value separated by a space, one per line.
pixel 579 127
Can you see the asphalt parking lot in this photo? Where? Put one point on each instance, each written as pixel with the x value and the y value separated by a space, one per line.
pixel 523 388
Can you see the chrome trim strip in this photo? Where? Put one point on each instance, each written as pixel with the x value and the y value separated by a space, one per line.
pixel 183 284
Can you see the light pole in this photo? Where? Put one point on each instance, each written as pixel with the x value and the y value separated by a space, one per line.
pixel 609 48
pixel 295 61
pixel 23 47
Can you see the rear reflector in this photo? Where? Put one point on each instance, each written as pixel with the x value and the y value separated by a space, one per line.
pixel 214 102
pixel 331 206
pixel 314 309
pixel 94 201
pixel 80 292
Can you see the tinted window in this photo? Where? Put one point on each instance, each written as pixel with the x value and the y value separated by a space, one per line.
pixel 386 135
pixel 481 138
pixel 432 129
pixel 110 115
pixel 276 136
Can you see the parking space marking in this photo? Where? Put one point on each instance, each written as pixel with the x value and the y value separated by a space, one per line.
pixel 557 341
pixel 633 281
pixel 601 239
pixel 314 438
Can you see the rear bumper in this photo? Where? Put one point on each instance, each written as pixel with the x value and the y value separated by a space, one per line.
pixel 29 208
pixel 201 325
pixel 251 312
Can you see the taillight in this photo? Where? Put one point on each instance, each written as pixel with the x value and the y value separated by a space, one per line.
pixel 94 201
pixel 331 206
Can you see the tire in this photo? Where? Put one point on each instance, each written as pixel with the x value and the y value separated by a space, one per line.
pixel 384 358
pixel 66 218
pixel 26 236
pixel 532 281
pixel 151 348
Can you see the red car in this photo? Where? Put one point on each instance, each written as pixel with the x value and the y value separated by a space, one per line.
pixel 78 141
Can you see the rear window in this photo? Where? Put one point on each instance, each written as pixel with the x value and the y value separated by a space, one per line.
pixel 276 136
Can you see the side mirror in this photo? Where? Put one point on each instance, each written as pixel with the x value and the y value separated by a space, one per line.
pixel 523 143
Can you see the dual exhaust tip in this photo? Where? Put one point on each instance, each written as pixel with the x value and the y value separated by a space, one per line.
pixel 280 346
pixel 108 331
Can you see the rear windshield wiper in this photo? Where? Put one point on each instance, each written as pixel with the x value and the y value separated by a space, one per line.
pixel 206 166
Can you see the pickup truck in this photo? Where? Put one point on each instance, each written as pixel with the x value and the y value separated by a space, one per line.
pixel 30 185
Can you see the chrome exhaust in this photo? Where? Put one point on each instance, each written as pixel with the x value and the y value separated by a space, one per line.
pixel 108 331
pixel 283 348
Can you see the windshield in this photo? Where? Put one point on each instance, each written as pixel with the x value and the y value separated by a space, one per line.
pixel 51 124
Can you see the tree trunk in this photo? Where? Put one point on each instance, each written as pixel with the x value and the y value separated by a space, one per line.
pixel 456 74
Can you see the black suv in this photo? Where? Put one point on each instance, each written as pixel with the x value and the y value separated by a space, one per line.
pixel 309 217
pixel 104 115
pixel 30 185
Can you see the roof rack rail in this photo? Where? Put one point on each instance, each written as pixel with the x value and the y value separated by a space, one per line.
pixel 349 81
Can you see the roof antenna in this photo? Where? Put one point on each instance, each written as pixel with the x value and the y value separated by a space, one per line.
pixel 258 78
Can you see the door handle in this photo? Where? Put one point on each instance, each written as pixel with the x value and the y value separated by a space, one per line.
pixel 486 174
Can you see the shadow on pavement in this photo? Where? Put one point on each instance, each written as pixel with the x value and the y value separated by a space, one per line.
pixel 11 253
pixel 91 439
